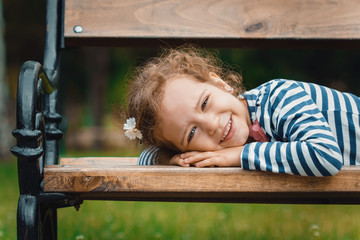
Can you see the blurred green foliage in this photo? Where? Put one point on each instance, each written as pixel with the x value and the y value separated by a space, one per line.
pixel 334 68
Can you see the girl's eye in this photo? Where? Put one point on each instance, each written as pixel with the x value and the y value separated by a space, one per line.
pixel 203 105
pixel 192 133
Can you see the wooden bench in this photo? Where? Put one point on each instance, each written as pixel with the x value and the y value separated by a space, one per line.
pixel 47 184
pixel 121 179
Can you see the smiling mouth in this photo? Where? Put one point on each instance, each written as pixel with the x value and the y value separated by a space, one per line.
pixel 227 130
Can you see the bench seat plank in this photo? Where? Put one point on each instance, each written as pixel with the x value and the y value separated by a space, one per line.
pixel 234 22
pixel 96 161
pixel 115 181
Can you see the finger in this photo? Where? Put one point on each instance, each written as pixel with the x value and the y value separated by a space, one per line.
pixel 199 157
pixel 206 163
pixel 189 154
pixel 214 161
pixel 179 161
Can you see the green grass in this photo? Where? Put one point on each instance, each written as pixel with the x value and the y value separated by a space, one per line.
pixel 8 199
pixel 139 220
pixel 156 220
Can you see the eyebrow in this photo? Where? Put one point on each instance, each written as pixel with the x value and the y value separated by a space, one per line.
pixel 196 106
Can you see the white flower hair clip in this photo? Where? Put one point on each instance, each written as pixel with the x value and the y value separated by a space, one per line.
pixel 130 129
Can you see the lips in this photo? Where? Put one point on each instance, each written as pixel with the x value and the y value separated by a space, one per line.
pixel 228 131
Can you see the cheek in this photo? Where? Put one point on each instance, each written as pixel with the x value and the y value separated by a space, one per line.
pixel 204 145
pixel 245 135
pixel 242 132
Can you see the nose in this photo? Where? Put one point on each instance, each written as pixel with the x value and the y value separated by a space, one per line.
pixel 211 124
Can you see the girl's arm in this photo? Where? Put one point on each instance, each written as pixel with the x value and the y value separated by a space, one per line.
pixel 302 141
pixel 154 155
pixel 149 156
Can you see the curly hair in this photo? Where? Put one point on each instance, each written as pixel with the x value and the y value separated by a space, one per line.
pixel 145 91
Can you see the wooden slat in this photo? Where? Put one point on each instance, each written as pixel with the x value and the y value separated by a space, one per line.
pixel 98 161
pixel 239 22
pixel 172 183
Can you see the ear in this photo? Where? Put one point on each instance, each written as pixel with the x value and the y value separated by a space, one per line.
pixel 217 81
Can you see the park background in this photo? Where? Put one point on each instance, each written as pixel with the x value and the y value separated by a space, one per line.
pixel 92 86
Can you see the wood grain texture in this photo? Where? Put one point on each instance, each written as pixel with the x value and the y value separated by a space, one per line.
pixel 99 161
pixel 208 20
pixel 172 183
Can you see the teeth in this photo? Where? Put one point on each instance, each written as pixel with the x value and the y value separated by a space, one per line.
pixel 227 130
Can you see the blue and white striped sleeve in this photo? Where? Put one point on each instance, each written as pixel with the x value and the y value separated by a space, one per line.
pixel 149 156
pixel 302 141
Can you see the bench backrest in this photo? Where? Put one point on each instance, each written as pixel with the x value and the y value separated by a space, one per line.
pixel 226 23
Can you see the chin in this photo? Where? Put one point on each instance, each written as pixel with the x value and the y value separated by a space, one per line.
pixel 235 144
pixel 240 142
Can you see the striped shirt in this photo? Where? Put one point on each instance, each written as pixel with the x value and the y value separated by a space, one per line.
pixel 312 130
pixel 148 156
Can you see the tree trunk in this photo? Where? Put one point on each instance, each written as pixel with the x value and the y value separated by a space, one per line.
pixel 5 137
pixel 98 60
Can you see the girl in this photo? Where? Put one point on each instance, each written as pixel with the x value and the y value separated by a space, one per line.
pixel 192 112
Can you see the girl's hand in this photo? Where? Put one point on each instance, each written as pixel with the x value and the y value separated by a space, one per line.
pixel 177 160
pixel 227 157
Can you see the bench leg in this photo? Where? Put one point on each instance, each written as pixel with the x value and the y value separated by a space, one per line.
pixel 48 219
pixel 27 218
pixel 35 221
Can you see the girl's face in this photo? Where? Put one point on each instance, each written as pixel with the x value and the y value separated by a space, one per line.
pixel 199 116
